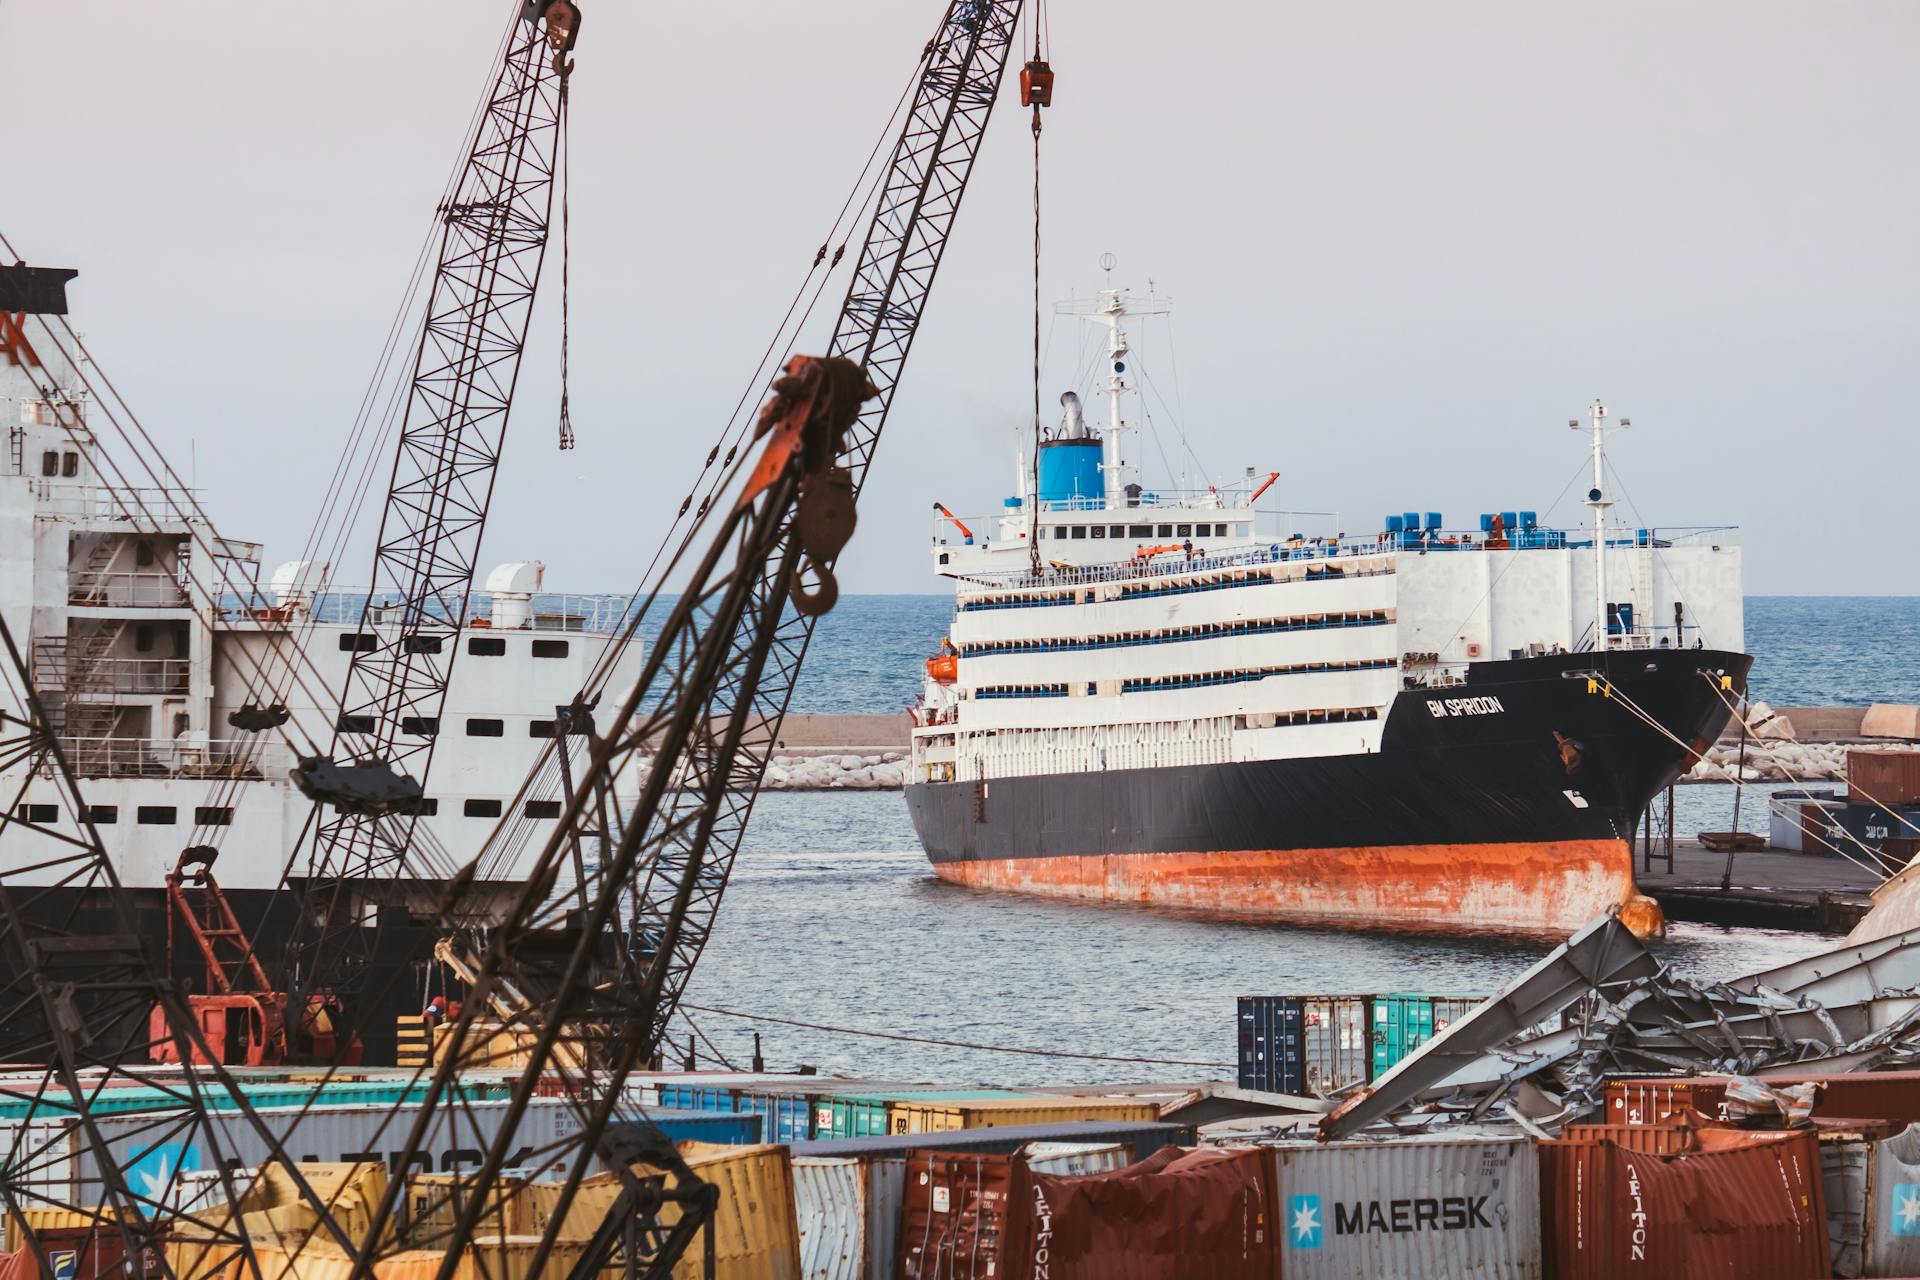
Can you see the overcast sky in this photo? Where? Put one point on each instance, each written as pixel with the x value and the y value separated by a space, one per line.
pixel 1406 242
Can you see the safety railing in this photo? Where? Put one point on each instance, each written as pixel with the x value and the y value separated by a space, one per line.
pixel 347 607
pixel 116 675
pixel 133 504
pixel 181 758
pixel 121 589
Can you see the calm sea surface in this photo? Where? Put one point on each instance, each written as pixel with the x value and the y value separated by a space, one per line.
pixel 834 918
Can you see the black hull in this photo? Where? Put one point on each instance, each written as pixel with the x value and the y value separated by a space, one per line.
pixel 1521 762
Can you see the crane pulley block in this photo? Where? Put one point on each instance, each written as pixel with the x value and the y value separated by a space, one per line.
pixel 1036 84
pixel 252 719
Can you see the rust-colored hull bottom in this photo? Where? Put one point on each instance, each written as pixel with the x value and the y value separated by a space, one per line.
pixel 1533 887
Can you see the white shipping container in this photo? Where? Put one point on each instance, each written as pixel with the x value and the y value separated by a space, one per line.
pixel 1872 1190
pixel 848 1208
pixel 50 1157
pixel 1424 1206
pixel 1075 1158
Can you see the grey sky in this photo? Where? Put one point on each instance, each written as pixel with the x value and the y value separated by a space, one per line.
pixel 1406 241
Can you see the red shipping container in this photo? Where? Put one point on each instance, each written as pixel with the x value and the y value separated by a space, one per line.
pixel 1885 778
pixel 1743 1204
pixel 1177 1214
pixel 1874 1095
pixel 953 1218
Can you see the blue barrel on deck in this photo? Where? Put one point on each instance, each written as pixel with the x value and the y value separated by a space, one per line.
pixel 1070 469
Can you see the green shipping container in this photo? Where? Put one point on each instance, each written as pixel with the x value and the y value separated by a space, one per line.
pixel 1402 1023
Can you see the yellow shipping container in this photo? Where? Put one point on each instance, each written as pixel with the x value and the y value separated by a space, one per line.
pixel 434 1201
pixel 934 1116
pixel 755 1234
pixel 44 1218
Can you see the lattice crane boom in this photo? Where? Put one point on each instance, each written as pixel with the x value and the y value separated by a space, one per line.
pixel 492 246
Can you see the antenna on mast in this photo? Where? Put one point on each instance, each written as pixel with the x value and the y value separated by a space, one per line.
pixel 1598 502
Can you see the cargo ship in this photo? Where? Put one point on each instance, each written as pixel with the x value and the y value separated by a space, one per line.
pixel 107 587
pixel 1194 699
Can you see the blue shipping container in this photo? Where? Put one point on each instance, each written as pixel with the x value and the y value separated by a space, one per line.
pixel 1272 1057
pixel 785 1117
pixel 723 1128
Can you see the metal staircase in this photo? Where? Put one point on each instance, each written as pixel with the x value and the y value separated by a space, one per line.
pixel 87 585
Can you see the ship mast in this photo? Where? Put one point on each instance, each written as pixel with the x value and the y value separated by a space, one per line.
pixel 1599 502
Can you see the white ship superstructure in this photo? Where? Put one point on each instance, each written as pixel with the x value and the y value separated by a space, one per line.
pixel 110 586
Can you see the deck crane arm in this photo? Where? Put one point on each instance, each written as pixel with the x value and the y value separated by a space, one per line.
pixel 492 244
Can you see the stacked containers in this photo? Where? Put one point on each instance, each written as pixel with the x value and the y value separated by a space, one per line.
pixel 867 1115
pixel 1744 1203
pixel 1311 1045
pixel 1467 1205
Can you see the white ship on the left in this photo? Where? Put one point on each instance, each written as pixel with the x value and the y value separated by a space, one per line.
pixel 139 676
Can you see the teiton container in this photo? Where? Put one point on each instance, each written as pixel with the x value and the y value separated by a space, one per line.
pixel 1272 1057
pixel 953 1216
pixel 935 1115
pixel 1142 1140
pixel 1884 777
pixel 1745 1203
pixel 1176 1215
pixel 1422 1206
pixel 1864 1095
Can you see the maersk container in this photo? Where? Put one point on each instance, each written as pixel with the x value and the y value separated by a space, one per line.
pixel 1423 1206
pixel 1872 1193
pixel 1141 1139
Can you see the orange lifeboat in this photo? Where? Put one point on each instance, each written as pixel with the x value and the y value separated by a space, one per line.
pixel 943 668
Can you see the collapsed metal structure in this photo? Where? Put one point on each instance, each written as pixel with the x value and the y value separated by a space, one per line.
pixel 1540 1051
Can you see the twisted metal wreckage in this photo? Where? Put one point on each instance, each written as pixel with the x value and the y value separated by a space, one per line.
pixel 1539 1052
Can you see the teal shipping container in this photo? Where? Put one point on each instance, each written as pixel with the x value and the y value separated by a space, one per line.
pixel 299 1093
pixel 1404 1022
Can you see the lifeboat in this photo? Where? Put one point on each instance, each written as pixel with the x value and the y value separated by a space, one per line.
pixel 943 668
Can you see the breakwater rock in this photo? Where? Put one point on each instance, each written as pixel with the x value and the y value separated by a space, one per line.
pixel 883 771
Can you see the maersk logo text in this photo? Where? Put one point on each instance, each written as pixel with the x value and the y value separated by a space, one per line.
pixel 1304 1224
pixel 1426 1213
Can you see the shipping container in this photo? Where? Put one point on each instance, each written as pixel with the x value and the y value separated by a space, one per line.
pixel 1337 1033
pixel 259 1095
pixel 1854 1095
pixel 1272 1058
pixel 1745 1203
pixel 848 1214
pixel 1404 1022
pixel 784 1117
pixel 1872 1193
pixel 754 1231
pixel 1142 1140
pixel 936 1115
pixel 954 1216
pixel 1075 1158
pixel 1419 1206
pixel 157 1145
pixel 1179 1214
pixel 1885 778
pixel 865 1114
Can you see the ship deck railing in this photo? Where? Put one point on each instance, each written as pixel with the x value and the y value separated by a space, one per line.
pixel 349 607
pixel 126 589
pixel 140 506
pixel 1331 550
pixel 145 758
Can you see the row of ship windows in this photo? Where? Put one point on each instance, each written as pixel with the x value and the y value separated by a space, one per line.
pixel 1208 631
pixel 147 815
pixel 478 646
pixel 1152 684
pixel 1140 531
pixel 206 815
pixel 1256 577
pixel 428 726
